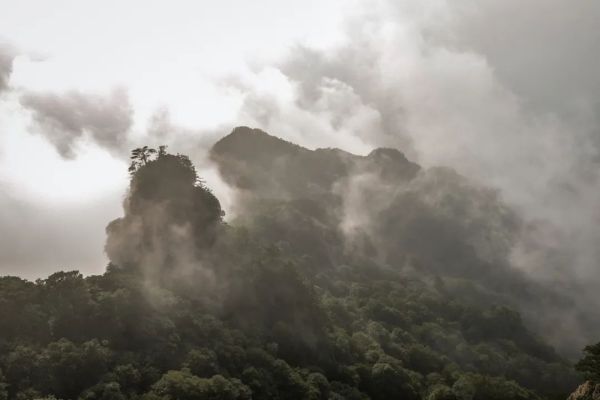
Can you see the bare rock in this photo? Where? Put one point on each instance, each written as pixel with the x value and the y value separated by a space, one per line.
pixel 586 391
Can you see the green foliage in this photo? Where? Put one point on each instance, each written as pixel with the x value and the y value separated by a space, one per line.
pixel 183 385
pixel 478 387
pixel 294 338
pixel 141 156
pixel 170 217
pixel 274 305
pixel 589 365
pixel 3 387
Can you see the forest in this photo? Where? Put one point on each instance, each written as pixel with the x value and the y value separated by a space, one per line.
pixel 337 276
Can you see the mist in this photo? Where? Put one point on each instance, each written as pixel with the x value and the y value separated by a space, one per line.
pixel 451 148
pixel 511 106
pixel 40 238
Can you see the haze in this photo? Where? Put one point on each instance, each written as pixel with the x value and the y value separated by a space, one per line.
pixel 505 92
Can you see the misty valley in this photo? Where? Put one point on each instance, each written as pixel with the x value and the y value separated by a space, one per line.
pixel 338 276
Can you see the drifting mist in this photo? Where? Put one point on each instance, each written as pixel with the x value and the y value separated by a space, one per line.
pixel 457 141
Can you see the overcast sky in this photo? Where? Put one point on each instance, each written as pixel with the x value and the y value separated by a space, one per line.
pixel 506 91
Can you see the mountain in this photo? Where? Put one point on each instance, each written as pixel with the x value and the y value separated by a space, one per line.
pixel 383 202
pixel 339 277
pixel 254 160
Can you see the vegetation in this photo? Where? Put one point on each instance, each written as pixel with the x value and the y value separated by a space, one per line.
pixel 140 156
pixel 277 304
pixel 589 365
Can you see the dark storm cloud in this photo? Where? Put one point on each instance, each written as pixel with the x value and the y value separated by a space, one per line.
pixel 64 119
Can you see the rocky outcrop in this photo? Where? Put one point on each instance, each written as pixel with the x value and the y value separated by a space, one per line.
pixel 586 391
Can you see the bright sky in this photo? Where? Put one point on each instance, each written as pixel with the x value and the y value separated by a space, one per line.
pixel 165 53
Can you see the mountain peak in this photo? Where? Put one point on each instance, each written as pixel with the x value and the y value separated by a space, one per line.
pixel 247 142
pixel 392 163
pixel 253 159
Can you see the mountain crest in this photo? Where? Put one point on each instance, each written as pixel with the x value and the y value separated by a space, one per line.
pixel 252 159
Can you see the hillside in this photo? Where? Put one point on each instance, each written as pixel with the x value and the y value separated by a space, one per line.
pixel 341 277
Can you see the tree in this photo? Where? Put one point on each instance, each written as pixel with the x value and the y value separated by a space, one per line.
pixel 169 219
pixel 3 387
pixel 162 150
pixel 589 365
pixel 70 368
pixel 390 382
pixel 183 385
pixel 263 307
pixel 141 156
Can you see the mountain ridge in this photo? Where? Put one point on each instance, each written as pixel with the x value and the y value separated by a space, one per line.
pixel 269 156
pixel 342 278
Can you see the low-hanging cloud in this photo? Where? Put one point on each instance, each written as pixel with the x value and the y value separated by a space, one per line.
pixel 418 70
pixel 66 118
pixel 511 105
pixel 505 92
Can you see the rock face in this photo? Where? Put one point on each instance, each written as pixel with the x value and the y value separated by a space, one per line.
pixel 586 391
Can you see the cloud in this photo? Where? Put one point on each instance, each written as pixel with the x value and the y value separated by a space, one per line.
pixel 547 54
pixel 7 56
pixel 504 92
pixel 428 80
pixel 66 118
pixel 333 116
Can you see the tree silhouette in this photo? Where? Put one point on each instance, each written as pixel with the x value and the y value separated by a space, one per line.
pixel 141 156
pixel 162 150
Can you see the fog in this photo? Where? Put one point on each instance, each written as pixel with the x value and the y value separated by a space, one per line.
pixel 504 92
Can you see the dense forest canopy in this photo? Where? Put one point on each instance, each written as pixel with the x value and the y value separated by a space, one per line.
pixel 341 277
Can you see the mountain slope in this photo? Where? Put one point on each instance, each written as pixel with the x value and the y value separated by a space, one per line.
pixel 343 277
